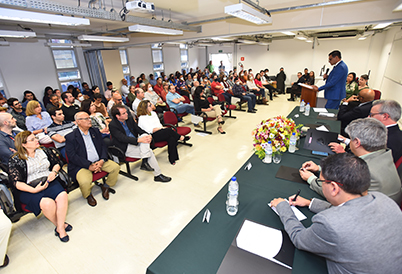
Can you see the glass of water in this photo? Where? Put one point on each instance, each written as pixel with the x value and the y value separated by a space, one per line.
pixel 276 158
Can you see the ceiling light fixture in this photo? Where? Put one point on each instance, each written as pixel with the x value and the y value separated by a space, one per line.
pixel 249 14
pixel 17 34
pixel 288 33
pixel 246 41
pixel 301 37
pixel 102 38
pixel 382 25
pixel 398 8
pixel 156 30
pixel 37 17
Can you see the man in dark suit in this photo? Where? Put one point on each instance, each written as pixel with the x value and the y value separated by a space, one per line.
pixel 134 141
pixel 296 88
pixel 388 112
pixel 335 86
pixel 355 107
pixel 87 154
pixel 355 231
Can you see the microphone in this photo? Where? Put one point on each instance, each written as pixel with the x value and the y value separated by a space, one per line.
pixel 326 72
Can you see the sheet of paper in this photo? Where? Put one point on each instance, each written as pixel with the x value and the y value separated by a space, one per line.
pixel 327 114
pixel 306 86
pixel 207 216
pixel 322 128
pixel 299 215
pixel 260 240
pixel 322 110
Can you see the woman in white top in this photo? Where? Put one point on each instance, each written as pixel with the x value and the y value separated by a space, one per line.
pixel 254 89
pixel 149 122
pixel 154 98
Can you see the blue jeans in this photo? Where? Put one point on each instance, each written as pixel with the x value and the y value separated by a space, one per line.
pixel 251 99
pixel 63 151
pixel 332 104
pixel 228 97
pixel 185 108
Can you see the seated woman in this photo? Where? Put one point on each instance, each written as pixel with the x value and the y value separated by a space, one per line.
pixel 33 171
pixel 201 104
pixel 37 121
pixel 363 83
pixel 258 83
pixel 97 120
pixel 131 95
pixel 149 122
pixel 352 87
pixel 46 96
pixel 311 80
pixel 154 98
pixel 96 90
pixel 254 89
pixel 29 96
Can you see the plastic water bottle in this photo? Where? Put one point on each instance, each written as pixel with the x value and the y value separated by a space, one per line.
pixel 302 106
pixel 232 202
pixel 307 110
pixel 292 143
pixel 268 153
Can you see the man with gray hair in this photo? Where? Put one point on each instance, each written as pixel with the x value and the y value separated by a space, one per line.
pixel 368 140
pixel 388 112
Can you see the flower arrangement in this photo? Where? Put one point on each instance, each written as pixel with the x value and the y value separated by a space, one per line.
pixel 277 130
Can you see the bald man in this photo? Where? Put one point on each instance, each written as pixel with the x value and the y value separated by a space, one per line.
pixel 355 107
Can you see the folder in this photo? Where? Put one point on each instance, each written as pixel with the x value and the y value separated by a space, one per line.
pixel 318 140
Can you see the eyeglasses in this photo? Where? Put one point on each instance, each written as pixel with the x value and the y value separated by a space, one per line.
pixel 32 139
pixel 319 182
pixel 377 113
pixel 87 118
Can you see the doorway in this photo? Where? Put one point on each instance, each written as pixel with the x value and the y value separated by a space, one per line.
pixel 226 59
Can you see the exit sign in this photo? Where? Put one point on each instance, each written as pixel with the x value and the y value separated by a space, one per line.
pixel 220 51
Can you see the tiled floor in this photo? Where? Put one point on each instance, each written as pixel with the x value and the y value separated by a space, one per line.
pixel 127 232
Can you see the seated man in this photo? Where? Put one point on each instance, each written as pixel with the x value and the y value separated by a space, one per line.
pixel 355 107
pixel 134 141
pixel 158 88
pixel 296 88
pixel 17 112
pixel 87 154
pixel 368 141
pixel 175 101
pixel 356 231
pixel 241 91
pixel 59 129
pixel 139 96
pixel 7 147
pixel 69 108
pixel 53 102
pixel 116 99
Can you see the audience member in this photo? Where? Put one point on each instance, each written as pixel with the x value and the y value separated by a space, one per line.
pixel 7 134
pixel 46 96
pixel 175 101
pixel 241 91
pixel 33 171
pixel 108 92
pixel 134 141
pixel 29 96
pixel 5 230
pixel 116 99
pixel 99 106
pixel 86 91
pixel 59 129
pixel 54 102
pixel 124 88
pixel 363 82
pixel 356 232
pixel 157 103
pixel 37 121
pixel 96 90
pixel 352 87
pixel 280 81
pixel 69 108
pixel 254 89
pixel 143 79
pixel 131 96
pixel 311 80
pixel 87 154
pixel 139 93
pixel 152 81
pixel 17 112
pixel 217 89
pixel 296 88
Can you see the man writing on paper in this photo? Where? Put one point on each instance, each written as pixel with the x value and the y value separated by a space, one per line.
pixel 356 231
pixel 335 88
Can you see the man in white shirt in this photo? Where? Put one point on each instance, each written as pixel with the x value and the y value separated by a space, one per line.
pixel 139 93
pixel 124 88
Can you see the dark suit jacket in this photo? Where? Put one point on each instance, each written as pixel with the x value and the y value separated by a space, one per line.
pixel 118 134
pixel 346 115
pixel 77 152
pixel 395 142
pixel 335 86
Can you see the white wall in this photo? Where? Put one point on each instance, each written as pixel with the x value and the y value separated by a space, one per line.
pixel 140 61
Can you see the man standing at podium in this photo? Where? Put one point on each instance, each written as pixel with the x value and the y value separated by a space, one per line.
pixel 335 86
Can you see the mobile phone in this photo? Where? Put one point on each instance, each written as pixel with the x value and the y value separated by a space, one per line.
pixel 43 183
pixel 319 153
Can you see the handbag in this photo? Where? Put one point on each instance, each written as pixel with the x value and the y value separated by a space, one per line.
pixel 36 182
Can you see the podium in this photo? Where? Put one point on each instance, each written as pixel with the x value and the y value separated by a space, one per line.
pixel 308 95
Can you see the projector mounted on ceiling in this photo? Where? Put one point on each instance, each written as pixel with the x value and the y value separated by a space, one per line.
pixel 140 6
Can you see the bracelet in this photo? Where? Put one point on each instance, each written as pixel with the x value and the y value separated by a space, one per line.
pixel 55 172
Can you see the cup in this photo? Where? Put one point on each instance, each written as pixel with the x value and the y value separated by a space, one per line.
pixel 276 158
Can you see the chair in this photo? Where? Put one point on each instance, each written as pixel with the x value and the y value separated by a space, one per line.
pixel 48 145
pixel 172 122
pixel 205 117
pixel 228 107
pixel 181 115
pixel 377 95
pixel 239 102
pixel 117 152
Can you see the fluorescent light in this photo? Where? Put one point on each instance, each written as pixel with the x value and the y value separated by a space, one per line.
pixel 67 45
pixel 246 41
pixel 249 14
pixel 309 40
pixel 398 8
pixel 288 33
pixel 37 17
pixel 102 38
pixel 156 30
pixel 362 38
pixel 17 34
pixel 301 37
pixel 382 25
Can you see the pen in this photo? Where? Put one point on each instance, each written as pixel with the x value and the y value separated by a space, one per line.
pixel 297 194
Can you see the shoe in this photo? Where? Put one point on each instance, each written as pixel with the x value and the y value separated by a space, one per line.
pixel 68 227
pixel 146 167
pixel 251 111
pixel 91 200
pixel 255 109
pixel 197 125
pixel 6 261
pixel 221 122
pixel 162 178
pixel 65 239
pixel 290 99
pixel 105 192
pixel 186 138
pixel 221 132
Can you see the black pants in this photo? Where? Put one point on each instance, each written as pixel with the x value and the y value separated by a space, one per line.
pixel 271 90
pixel 171 136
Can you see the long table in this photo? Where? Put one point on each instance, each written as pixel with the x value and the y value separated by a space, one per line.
pixel 200 247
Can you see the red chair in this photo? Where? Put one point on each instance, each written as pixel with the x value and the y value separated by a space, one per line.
pixel 205 117
pixel 117 152
pixel 170 120
pixel 48 145
pixel 377 95
pixel 181 115
pixel 228 107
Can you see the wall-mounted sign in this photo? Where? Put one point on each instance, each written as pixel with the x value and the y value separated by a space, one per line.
pixel 241 58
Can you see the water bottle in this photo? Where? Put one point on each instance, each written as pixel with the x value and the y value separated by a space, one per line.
pixel 292 143
pixel 307 111
pixel 232 202
pixel 302 106
pixel 268 153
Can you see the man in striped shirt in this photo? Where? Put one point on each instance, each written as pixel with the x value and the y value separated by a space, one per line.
pixel 59 129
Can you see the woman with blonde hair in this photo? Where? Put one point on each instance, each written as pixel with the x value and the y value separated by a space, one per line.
pixel 34 173
pixel 38 121
pixel 149 122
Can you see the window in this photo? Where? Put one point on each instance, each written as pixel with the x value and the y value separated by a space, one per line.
pixel 124 63
pixel 2 88
pixel 157 59
pixel 184 56
pixel 67 68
